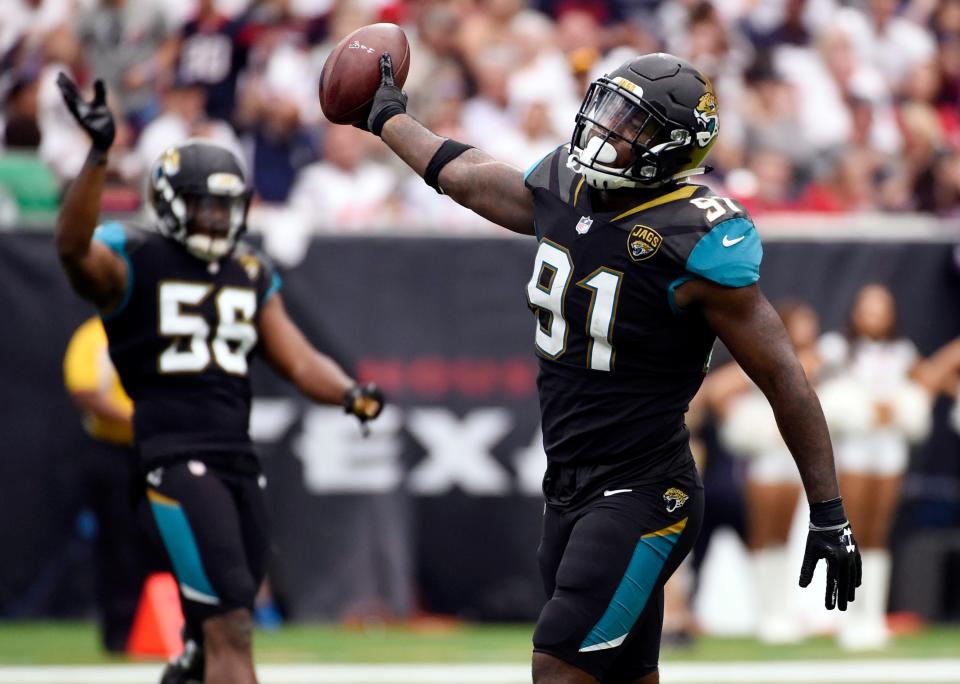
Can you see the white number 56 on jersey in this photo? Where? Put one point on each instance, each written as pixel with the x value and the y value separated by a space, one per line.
pixel 235 334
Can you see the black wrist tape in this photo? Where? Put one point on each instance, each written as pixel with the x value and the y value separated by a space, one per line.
pixel 389 111
pixel 449 150
pixel 828 513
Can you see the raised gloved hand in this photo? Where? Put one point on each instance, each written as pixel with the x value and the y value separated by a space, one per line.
pixel 93 116
pixel 389 100
pixel 831 538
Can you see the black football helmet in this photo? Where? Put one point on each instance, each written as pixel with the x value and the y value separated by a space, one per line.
pixel 198 193
pixel 649 122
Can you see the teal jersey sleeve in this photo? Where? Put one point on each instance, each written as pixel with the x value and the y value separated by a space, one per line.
pixel 729 254
pixel 114 236
pixel 275 283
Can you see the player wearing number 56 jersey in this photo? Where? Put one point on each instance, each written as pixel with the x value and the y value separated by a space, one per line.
pixel 636 273
pixel 186 305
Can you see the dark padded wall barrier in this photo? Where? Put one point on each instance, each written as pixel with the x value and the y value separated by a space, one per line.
pixel 438 509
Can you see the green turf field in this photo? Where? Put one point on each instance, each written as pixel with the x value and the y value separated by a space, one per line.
pixel 47 643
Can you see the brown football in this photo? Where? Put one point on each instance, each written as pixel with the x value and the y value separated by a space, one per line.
pixel 351 74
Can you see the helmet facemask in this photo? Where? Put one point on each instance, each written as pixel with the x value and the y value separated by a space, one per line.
pixel 214 223
pixel 207 220
pixel 620 141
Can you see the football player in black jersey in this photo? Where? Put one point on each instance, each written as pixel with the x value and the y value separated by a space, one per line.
pixel 637 272
pixel 185 306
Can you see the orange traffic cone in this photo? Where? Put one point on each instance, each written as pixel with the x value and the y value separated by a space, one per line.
pixel 157 625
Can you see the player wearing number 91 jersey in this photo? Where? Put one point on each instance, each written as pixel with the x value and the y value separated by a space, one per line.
pixel 185 307
pixel 620 360
pixel 636 273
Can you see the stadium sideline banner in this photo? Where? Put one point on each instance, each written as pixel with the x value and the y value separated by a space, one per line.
pixel 439 508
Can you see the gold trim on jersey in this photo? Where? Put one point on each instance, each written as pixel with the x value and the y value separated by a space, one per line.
pixel 576 193
pixel 683 193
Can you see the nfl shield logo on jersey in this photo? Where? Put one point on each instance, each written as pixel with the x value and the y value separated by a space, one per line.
pixel 583 225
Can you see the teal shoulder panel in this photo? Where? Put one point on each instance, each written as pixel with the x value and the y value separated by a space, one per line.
pixel 276 282
pixel 114 236
pixel 729 254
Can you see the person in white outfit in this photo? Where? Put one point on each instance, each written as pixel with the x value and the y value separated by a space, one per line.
pixel 773 487
pixel 876 411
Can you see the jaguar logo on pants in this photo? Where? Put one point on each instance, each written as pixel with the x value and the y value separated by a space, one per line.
pixel 675 498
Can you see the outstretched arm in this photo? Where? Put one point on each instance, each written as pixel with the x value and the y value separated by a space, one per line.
pixel 95 272
pixel 754 334
pixel 316 375
pixel 491 188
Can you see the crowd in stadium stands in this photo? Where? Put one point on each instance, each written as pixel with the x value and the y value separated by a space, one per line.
pixel 826 105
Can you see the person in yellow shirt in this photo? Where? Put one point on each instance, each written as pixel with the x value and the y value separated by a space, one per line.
pixel 109 470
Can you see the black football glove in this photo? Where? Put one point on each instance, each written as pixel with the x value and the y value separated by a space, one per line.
pixel 389 100
pixel 93 116
pixel 831 538
pixel 364 401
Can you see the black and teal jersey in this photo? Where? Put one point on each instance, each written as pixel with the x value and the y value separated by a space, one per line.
pixel 619 361
pixel 181 341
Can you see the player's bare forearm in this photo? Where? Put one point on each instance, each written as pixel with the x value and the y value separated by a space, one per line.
pixel 490 188
pixel 316 375
pixel 94 272
pixel 754 334
pixel 81 209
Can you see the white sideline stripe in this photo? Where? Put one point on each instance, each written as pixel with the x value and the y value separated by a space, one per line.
pixel 782 672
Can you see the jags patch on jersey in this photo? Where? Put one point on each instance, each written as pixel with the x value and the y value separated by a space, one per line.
pixel 643 242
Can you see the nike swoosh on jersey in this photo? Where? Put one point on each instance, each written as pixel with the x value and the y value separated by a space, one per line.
pixel 727 242
pixel 611 492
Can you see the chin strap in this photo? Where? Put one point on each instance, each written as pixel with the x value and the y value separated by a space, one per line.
pixel 699 171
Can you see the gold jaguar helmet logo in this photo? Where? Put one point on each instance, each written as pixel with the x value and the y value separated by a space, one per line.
pixel 675 498
pixel 708 119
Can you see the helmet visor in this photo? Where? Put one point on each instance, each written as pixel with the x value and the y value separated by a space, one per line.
pixel 214 215
pixel 609 115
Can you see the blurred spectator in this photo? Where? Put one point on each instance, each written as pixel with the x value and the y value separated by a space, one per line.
pixel 875 412
pixel 487 111
pixel 24 176
pixel 128 44
pixel 276 145
pixel 799 82
pixel 770 113
pixel 63 146
pixel 26 23
pixel 828 81
pixel 110 473
pixel 773 489
pixel 849 185
pixel 892 44
pixel 212 52
pixel 766 184
pixel 182 117
pixel 347 190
